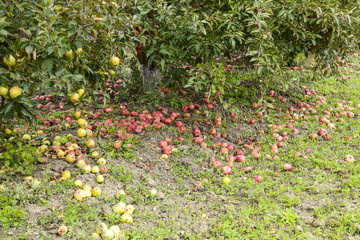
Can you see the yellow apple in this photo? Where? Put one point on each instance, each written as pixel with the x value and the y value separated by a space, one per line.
pixel 15 92
pixel 81 92
pixel 10 61
pixel 114 61
pixel 74 98
pixel 3 91
pixel 81 132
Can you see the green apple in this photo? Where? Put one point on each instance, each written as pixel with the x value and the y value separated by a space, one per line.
pixel 79 51
pixel 69 55
pixel 101 161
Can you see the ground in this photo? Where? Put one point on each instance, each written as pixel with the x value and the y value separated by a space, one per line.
pixel 317 199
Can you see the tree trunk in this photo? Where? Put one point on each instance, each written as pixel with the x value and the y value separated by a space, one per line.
pixel 151 76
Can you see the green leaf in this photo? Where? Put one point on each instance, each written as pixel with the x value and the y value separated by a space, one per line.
pixel 164 51
pixel 47 65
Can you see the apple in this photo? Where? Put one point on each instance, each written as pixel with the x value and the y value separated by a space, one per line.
pixel 70 158
pixel 95 192
pixel 3 91
pixel 62 230
pixel 119 208
pixel 287 167
pixel 101 161
pixel 80 164
pixel 119 194
pixel 74 98
pixel 26 137
pixel 257 178
pixel 81 132
pixel 129 209
pixel 94 154
pixel 78 183
pixel 95 236
pixel 226 170
pixel 322 132
pixel 224 150
pixel 79 51
pixel 95 169
pixel 77 114
pixel 80 195
pixel 66 174
pixel 100 178
pixel 101 228
pixel 90 143
pixel 126 218
pixel 103 169
pixel 118 233
pixel 226 180
pixel 349 158
pixel 196 132
pixel 216 164
pixel 86 169
pixel 15 92
pixel 114 61
pixel 10 61
pixel 69 55
pixel 82 123
pixel 116 145
pixel 240 158
pixel 87 188
pixel 108 235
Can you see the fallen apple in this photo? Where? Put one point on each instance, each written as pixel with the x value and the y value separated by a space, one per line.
pixel 66 174
pixel 126 218
pixel 95 192
pixel 226 180
pixel 95 169
pixel 119 208
pixel 129 209
pixel 101 161
pixel 80 195
pixel 62 230
pixel 257 178
pixel 78 183
pixel 100 178
pixel 119 194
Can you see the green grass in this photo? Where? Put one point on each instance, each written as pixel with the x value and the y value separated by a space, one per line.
pixel 318 199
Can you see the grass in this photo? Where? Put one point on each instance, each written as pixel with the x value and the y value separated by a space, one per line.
pixel 318 199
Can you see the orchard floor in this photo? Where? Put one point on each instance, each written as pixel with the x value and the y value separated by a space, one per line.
pixel 317 199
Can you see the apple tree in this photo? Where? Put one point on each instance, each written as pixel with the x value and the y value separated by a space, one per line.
pixel 271 33
pixel 63 45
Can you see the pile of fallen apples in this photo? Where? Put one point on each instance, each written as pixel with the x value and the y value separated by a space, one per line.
pixel 198 120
